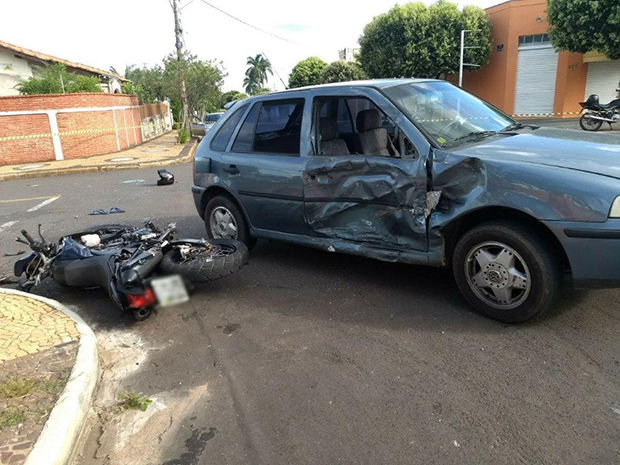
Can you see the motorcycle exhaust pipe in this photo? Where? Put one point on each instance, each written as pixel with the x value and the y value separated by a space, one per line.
pixel 600 118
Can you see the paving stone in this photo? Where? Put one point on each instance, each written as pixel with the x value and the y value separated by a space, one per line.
pixel 44 364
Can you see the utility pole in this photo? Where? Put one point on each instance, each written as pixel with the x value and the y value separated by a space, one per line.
pixel 463 54
pixel 178 33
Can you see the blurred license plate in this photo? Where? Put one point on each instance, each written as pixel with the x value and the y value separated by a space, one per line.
pixel 170 290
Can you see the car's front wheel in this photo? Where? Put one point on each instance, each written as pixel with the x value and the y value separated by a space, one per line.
pixel 507 271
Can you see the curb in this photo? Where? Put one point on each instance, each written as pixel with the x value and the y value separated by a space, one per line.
pixel 59 435
pixel 182 158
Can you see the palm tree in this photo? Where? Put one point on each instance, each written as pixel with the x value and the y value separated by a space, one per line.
pixel 256 74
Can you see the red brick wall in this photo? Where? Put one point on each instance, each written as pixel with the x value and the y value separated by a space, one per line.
pixel 102 138
pixel 25 150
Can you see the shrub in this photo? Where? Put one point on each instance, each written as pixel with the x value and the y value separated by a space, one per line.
pixel 55 79
pixel 183 136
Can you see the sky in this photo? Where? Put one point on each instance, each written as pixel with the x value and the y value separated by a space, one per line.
pixel 136 32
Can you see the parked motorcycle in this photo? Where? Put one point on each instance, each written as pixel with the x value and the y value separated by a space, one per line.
pixel 596 113
pixel 140 267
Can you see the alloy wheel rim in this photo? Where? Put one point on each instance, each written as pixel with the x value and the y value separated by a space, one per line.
pixel 222 224
pixel 498 275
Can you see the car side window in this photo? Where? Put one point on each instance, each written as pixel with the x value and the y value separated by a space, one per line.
pixel 272 127
pixel 221 139
pixel 355 125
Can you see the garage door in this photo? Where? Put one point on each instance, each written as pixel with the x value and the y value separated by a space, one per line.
pixel 537 67
pixel 603 79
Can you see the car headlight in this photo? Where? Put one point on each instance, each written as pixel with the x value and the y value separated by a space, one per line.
pixel 615 208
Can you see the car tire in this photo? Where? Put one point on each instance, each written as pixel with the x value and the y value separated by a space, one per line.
pixel 521 278
pixel 225 204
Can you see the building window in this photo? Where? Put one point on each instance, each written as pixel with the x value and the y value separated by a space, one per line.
pixel 535 40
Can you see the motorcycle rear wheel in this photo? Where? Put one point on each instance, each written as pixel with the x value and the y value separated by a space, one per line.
pixel 228 257
pixel 589 124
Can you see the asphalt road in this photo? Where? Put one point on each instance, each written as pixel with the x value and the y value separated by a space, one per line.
pixel 308 357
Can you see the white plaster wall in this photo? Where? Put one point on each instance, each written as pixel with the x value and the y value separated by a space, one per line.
pixel 12 70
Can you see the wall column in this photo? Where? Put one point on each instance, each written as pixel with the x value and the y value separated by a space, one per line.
pixel 51 115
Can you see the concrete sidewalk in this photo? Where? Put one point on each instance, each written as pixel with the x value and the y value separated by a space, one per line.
pixel 568 123
pixel 48 371
pixel 162 151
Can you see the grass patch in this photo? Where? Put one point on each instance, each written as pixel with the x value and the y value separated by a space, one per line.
pixel 131 400
pixel 51 387
pixel 16 387
pixel 11 417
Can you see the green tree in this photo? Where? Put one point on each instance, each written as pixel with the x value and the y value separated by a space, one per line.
pixel 414 40
pixel 307 72
pixel 231 95
pixel 585 26
pixel 203 81
pixel 53 78
pixel 146 83
pixel 256 76
pixel 342 71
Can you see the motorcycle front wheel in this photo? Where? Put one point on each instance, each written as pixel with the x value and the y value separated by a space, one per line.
pixel 214 260
pixel 589 124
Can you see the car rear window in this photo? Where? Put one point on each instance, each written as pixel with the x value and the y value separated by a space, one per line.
pixel 221 139
pixel 212 118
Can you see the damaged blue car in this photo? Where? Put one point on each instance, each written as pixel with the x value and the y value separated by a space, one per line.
pixel 419 171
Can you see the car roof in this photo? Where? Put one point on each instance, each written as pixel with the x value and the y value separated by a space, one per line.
pixel 375 83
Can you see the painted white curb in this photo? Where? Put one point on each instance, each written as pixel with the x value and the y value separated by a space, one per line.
pixel 62 428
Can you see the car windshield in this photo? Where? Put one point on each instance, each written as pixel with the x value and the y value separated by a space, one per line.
pixel 212 118
pixel 448 114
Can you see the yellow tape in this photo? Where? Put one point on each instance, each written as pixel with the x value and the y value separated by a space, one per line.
pixel 68 133
pixel 547 114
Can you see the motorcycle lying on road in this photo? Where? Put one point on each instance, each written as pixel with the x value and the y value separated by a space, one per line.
pixel 140 267
pixel 597 113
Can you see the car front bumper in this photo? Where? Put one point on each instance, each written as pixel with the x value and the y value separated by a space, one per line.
pixel 593 250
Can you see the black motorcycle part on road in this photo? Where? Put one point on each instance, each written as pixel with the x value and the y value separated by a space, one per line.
pixel 22 264
pixel 206 267
pixel 94 271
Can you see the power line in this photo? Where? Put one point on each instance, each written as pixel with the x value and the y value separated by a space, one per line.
pixel 246 23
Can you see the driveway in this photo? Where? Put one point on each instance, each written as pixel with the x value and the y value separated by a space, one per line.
pixel 308 357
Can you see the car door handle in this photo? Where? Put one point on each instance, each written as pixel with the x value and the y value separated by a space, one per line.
pixel 231 169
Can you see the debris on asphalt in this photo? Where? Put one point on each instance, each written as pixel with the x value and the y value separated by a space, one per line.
pixel 107 212
pixel 16 254
pixel 166 178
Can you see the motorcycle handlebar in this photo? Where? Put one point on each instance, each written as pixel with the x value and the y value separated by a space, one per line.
pixel 27 236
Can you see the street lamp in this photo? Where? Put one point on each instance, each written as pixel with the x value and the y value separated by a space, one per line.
pixel 463 53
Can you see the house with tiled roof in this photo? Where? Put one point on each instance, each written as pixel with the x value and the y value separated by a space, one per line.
pixel 18 63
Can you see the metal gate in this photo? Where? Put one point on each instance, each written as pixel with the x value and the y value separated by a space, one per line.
pixel 536 72
pixel 603 79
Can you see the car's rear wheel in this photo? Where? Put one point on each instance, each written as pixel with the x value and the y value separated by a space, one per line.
pixel 224 220
pixel 589 124
pixel 507 271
